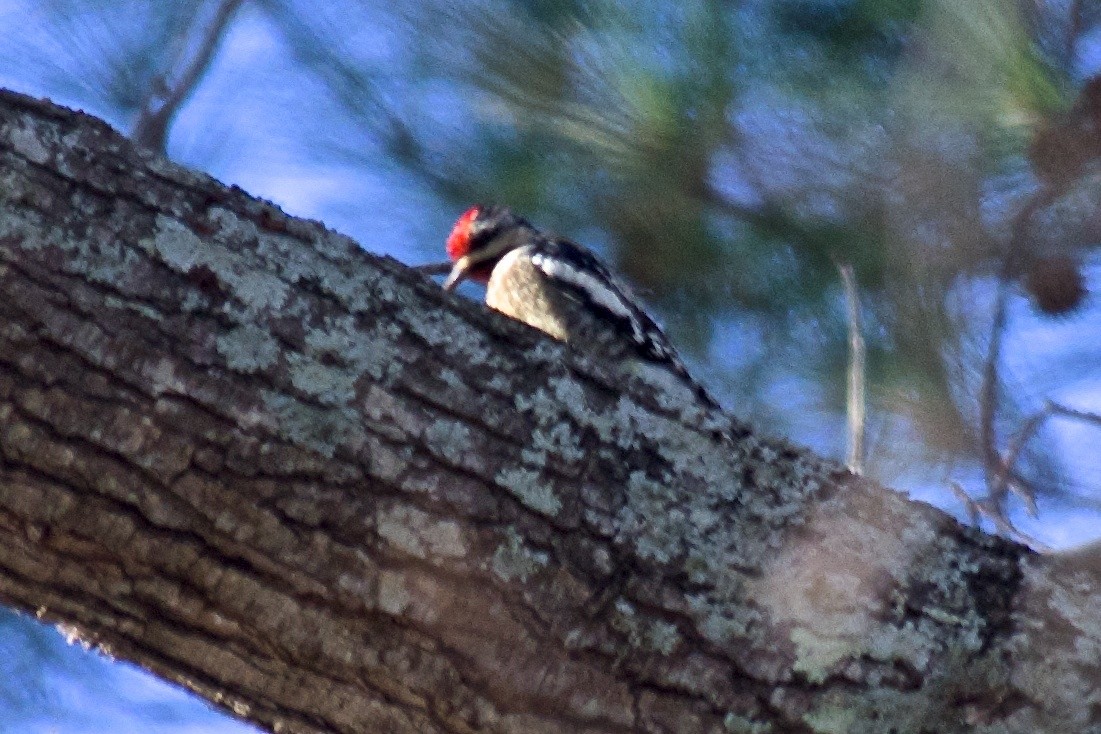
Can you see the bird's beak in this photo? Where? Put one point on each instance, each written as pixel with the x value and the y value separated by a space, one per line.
pixel 458 273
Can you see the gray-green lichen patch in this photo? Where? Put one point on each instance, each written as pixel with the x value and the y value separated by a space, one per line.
pixel 248 348
pixel 25 141
pixel 162 377
pixel 449 439
pixel 388 463
pixel 677 510
pixel 448 332
pixel 651 518
pixel 530 489
pixel 111 263
pixel 546 352
pixel 661 637
pixel 499 383
pixel 566 400
pixel 939 705
pixel 394 596
pixel 915 645
pixel 736 724
pixel 643 633
pixel 140 308
pixel 533 458
pixel 377 357
pixel 831 719
pixel 514 560
pixel 32 232
pixel 259 291
pixel 319 429
pixel 572 398
pixel 364 353
pixel 537 402
pixel 451 378
pixel 363 291
pixel 337 336
pixel 816 654
pixel 558 441
pixel 297 262
pixel 328 385
pixel 437 328
pixel 723 623
pixel 182 250
pixel 417 533
pixel 179 247
pixel 692 455
pixel 669 390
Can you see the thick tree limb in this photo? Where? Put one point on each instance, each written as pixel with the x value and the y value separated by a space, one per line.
pixel 303 482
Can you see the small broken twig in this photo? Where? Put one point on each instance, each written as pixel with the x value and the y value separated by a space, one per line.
pixel 856 401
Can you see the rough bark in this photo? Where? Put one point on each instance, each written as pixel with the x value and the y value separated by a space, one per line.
pixel 300 480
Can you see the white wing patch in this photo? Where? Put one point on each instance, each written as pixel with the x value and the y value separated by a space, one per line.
pixel 596 288
pixel 604 292
pixel 589 276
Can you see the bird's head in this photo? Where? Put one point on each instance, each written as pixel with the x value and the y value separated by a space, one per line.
pixel 480 238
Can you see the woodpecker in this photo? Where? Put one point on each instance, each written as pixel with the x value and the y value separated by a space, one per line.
pixel 560 288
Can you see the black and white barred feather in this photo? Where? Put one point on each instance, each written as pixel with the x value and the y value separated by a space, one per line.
pixel 561 288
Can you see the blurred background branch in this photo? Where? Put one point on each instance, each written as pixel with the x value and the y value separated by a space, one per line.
pixel 857 419
pixel 170 89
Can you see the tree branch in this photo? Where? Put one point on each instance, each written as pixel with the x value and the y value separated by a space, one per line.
pixel 302 481
pixel 170 90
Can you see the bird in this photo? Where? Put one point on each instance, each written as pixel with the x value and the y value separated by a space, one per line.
pixel 562 289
